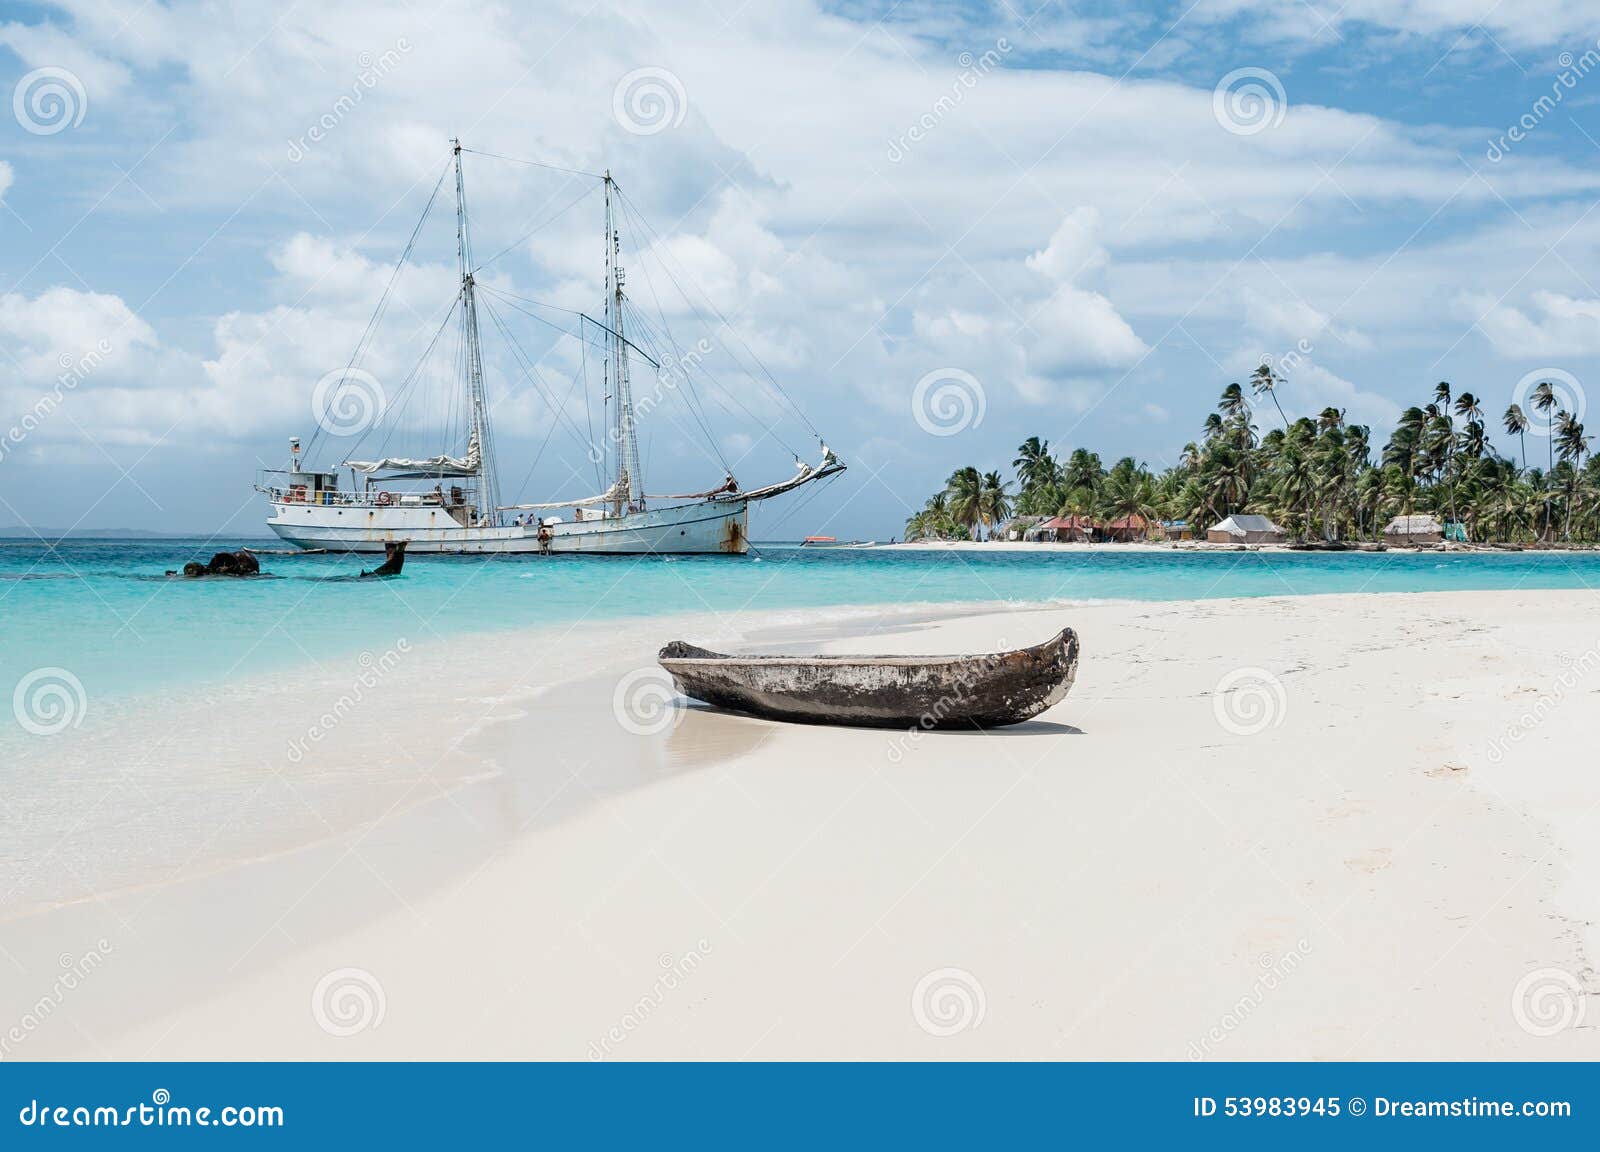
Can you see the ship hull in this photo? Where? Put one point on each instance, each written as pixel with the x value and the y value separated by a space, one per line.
pixel 711 528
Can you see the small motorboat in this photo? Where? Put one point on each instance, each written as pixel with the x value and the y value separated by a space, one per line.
pixel 835 542
pixel 971 691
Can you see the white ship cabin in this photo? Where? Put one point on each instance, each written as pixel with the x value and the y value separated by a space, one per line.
pixel 440 483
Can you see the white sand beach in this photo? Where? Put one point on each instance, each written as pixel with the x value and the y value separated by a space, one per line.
pixel 1318 827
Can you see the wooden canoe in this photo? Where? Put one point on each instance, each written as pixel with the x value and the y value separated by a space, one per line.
pixel 970 691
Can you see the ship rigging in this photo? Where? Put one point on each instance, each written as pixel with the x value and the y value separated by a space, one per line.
pixel 389 498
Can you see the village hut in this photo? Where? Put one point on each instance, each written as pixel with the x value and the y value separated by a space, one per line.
pixel 1245 529
pixel 1404 531
pixel 1127 529
pixel 1066 530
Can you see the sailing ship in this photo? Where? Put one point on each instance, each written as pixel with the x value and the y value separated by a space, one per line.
pixel 450 502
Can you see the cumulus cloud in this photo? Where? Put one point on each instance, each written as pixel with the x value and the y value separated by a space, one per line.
pixel 88 361
pixel 1076 331
pixel 1074 251
pixel 1553 324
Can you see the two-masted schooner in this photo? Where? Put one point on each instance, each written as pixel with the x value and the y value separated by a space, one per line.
pixel 451 503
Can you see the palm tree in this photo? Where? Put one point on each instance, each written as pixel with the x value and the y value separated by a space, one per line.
pixel 1083 469
pixel 965 491
pixel 1233 405
pixel 1295 487
pixel 1036 468
pixel 933 521
pixel 1404 451
pixel 1225 479
pixel 1265 380
pixel 1572 444
pixel 1544 399
pixel 1369 498
pixel 1129 490
pixel 994 501
pixel 1517 425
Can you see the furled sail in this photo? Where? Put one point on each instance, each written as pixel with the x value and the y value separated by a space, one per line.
pixel 441 465
pixel 618 491
pixel 804 474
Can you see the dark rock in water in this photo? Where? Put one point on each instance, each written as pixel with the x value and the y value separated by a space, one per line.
pixel 394 559
pixel 224 564
pixel 233 564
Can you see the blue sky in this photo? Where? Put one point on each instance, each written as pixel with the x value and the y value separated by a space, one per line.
pixel 1076 221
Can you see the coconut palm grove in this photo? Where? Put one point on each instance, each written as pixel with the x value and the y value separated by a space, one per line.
pixel 1320 479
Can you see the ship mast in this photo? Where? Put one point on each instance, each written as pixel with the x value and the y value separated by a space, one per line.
pixel 488 494
pixel 629 483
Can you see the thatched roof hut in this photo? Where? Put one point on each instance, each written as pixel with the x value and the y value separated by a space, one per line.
pixel 1417 529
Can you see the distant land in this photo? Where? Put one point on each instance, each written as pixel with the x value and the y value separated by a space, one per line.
pixel 22 532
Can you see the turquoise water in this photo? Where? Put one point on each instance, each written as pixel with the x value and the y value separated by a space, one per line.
pixel 103 610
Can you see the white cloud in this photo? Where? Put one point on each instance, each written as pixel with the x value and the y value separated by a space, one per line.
pixel 1452 20
pixel 1080 332
pixel 60 325
pixel 81 364
pixel 1554 325
pixel 1076 331
pixel 48 46
pixel 1286 322
pixel 1074 252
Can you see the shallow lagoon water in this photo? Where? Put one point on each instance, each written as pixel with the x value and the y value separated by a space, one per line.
pixel 103 610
